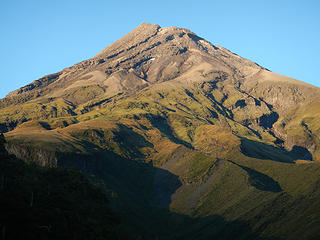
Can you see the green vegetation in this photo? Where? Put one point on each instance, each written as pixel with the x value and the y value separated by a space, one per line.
pixel 51 203
pixel 83 94
pixel 197 170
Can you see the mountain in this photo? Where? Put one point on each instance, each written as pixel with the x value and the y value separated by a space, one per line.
pixel 189 140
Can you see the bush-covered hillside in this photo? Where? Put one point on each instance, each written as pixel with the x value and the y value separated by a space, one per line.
pixel 51 203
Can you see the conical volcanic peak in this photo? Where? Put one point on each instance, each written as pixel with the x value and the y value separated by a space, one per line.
pixel 152 41
pixel 141 33
pixel 151 58
pixel 149 54
pixel 189 140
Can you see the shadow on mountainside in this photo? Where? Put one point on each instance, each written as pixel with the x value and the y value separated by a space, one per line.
pixel 143 195
pixel 130 141
pixel 301 153
pixel 162 125
pixel 267 120
pixel 259 180
pixel 254 149
pixel 216 227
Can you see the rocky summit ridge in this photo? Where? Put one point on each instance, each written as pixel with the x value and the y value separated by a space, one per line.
pixel 187 138
pixel 169 49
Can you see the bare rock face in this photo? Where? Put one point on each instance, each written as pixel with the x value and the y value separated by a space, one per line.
pixel 147 55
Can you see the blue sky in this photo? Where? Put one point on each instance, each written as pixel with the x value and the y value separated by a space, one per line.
pixel 40 37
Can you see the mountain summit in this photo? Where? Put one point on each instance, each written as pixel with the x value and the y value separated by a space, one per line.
pixel 149 54
pixel 188 138
pixel 154 59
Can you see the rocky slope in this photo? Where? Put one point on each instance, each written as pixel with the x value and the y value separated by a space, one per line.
pixel 182 130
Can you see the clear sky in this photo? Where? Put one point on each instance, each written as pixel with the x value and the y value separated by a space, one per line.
pixel 40 37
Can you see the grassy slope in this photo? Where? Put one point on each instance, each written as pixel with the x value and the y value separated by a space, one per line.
pixel 188 157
